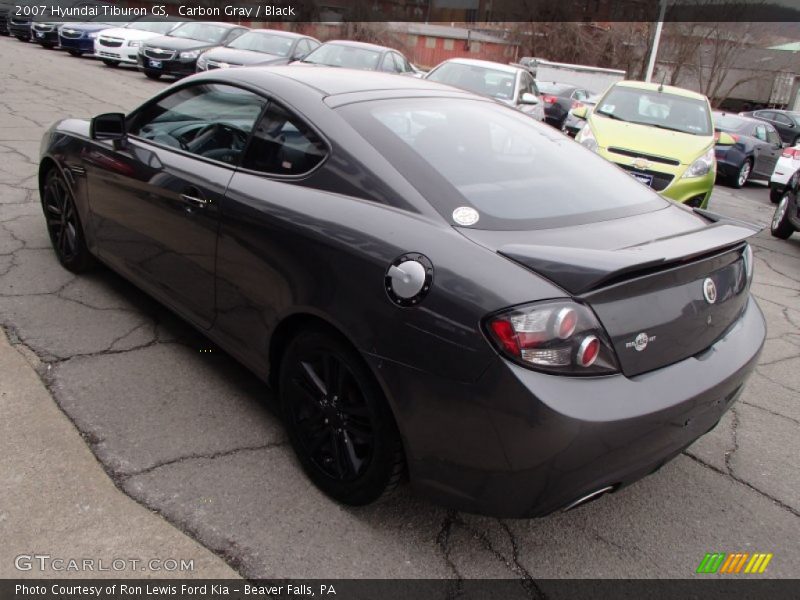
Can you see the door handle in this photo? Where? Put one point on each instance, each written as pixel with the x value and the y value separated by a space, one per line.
pixel 194 197
pixel 194 200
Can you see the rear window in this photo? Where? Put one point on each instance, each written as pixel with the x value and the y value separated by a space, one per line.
pixel 476 79
pixel 730 123
pixel 516 173
pixel 555 89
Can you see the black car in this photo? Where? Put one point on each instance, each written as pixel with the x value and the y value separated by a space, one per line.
pixel 787 122
pixel 258 47
pixel 177 52
pixel 361 56
pixel 559 99
pixel 387 254
pixel 755 152
pixel 5 10
pixel 19 26
pixel 786 219
pixel 572 124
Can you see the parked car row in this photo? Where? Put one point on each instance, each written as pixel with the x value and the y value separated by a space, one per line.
pixel 665 137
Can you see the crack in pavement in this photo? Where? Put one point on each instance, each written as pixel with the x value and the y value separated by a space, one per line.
pixel 201 455
pixel 743 482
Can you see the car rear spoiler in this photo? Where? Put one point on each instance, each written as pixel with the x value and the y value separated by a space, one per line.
pixel 580 270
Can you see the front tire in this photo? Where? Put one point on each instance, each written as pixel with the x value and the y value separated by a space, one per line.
pixel 741 177
pixel 110 63
pixel 338 420
pixel 64 224
pixel 780 226
pixel 74 52
pixel 154 75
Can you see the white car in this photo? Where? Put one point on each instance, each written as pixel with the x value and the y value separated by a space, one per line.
pixel 510 85
pixel 788 164
pixel 121 44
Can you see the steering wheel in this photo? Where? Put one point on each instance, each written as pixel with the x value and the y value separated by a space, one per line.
pixel 233 138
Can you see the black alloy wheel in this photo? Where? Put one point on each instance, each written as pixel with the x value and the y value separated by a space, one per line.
pixel 339 422
pixel 63 224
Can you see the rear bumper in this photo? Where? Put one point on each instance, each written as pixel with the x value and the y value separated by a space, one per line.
pixel 523 444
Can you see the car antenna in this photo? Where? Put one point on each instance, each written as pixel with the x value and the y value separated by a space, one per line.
pixel 661 85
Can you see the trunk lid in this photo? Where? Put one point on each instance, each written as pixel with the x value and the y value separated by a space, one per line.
pixel 644 277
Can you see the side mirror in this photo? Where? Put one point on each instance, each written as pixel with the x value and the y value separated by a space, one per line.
pixel 109 126
pixel 725 139
pixel 580 113
pixel 528 98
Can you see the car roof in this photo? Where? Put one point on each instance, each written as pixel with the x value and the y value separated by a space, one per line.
pixel 219 23
pixel 330 81
pixel 362 45
pixel 482 63
pixel 654 87
pixel 724 113
pixel 281 32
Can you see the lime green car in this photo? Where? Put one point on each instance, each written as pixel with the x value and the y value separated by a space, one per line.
pixel 662 135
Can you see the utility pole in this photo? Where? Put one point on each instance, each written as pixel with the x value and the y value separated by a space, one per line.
pixel 651 65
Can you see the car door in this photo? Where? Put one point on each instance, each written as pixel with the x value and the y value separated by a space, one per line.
pixel 155 197
pixel 261 262
pixel 786 128
pixel 761 148
pixel 772 152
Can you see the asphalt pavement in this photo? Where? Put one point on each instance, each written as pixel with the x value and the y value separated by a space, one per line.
pixel 184 431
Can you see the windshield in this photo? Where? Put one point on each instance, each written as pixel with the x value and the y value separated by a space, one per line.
pixel 658 109
pixel 203 32
pixel 518 174
pixel 350 57
pixel 473 78
pixel 730 122
pixel 152 26
pixel 279 45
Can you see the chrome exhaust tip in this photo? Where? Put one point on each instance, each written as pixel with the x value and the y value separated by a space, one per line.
pixel 588 498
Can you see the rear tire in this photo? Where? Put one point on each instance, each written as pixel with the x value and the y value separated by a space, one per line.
pixel 48 46
pixel 154 75
pixel 775 195
pixel 64 225
pixel 110 63
pixel 780 226
pixel 338 420
pixel 741 177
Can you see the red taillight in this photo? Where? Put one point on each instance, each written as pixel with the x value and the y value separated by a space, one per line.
pixel 588 351
pixel 577 104
pixel 566 321
pixel 793 153
pixel 506 336
pixel 549 99
pixel 733 135
pixel 558 336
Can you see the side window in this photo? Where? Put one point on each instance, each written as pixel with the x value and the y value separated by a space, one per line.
pixel 388 64
pixel 302 49
pixel 283 145
pixel 235 33
pixel 761 133
pixel 772 136
pixel 526 85
pixel 210 120
pixel 782 119
pixel 579 95
pixel 402 64
pixel 765 114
